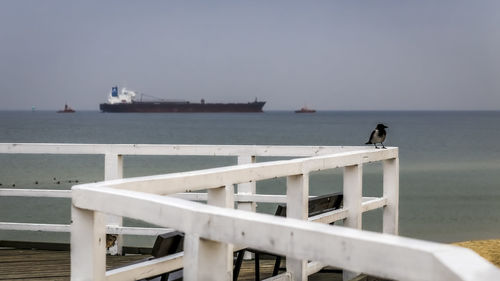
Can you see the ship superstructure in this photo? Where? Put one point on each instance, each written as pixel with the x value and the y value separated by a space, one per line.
pixel 125 96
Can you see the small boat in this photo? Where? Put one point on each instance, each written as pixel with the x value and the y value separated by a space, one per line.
pixel 305 110
pixel 66 109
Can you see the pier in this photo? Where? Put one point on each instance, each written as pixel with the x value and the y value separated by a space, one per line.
pixel 215 230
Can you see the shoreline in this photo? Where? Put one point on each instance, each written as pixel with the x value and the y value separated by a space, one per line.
pixel 488 249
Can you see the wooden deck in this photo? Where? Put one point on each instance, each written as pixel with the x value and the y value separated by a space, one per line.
pixel 41 265
pixel 45 265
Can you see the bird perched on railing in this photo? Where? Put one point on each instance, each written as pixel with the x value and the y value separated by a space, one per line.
pixel 378 135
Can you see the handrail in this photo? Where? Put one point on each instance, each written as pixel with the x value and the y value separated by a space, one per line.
pixel 172 149
pixel 216 177
pixel 376 254
pixel 219 183
pixel 211 231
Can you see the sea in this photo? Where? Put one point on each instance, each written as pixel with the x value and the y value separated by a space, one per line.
pixel 449 161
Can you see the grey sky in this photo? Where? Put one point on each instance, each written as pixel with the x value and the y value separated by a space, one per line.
pixel 329 55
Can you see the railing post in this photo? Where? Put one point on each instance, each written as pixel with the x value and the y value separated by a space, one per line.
pixel 353 197
pixel 206 259
pixel 88 245
pixel 113 169
pixel 391 193
pixel 297 194
pixel 248 188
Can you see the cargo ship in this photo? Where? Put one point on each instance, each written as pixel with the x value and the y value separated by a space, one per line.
pixel 124 101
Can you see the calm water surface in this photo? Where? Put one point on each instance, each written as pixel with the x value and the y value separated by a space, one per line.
pixel 449 161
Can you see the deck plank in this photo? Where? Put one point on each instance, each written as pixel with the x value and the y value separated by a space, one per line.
pixel 41 265
pixel 46 265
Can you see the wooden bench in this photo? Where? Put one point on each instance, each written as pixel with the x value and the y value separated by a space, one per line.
pixel 316 205
pixel 167 244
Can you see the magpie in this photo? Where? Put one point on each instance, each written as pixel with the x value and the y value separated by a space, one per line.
pixel 378 135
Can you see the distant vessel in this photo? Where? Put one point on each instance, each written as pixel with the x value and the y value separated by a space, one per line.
pixel 66 109
pixel 305 110
pixel 123 101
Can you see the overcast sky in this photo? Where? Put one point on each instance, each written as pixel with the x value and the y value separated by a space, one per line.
pixel 329 55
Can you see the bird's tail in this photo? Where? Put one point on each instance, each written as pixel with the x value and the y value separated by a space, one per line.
pixel 368 142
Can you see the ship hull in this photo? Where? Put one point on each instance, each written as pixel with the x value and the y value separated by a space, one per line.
pixel 173 107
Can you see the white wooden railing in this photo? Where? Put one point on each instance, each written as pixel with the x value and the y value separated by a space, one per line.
pixel 113 169
pixel 212 231
pixel 215 230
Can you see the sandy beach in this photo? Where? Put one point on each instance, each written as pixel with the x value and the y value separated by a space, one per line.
pixel 488 249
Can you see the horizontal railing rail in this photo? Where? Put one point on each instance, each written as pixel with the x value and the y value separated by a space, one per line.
pixel 172 149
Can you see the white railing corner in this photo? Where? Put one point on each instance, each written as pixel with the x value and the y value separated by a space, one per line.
pixel 207 259
pixel 88 245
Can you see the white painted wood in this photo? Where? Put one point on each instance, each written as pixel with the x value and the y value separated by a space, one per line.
pixel 329 217
pixel 247 189
pixel 67 228
pixel 314 266
pixel 173 149
pixel 262 198
pixel 113 169
pixel 354 155
pixel 213 256
pixel 324 158
pixel 209 178
pixel 127 230
pixel 146 269
pixel 353 193
pixel 242 198
pixel 354 250
pixel 391 193
pixel 34 227
pixel 286 276
pixel 191 253
pixel 297 192
pixel 88 246
pixel 36 193
pixel 372 204
pixel 205 260
pixel 113 166
pixel 192 196
pixel 222 196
